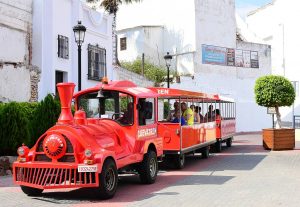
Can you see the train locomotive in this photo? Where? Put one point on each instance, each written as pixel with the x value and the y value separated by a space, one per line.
pixel 89 148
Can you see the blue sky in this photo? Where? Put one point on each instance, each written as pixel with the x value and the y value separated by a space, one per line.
pixel 245 6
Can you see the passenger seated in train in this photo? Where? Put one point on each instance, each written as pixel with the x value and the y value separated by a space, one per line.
pixel 187 113
pixel 127 118
pixel 198 110
pixel 196 114
pixel 178 119
pixel 209 116
pixel 217 114
pixel 172 113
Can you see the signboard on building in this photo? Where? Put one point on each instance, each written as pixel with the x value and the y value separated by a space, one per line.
pixel 214 55
pixel 254 59
pixel 246 58
pixel 230 57
pixel 239 58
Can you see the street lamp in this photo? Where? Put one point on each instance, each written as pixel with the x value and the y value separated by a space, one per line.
pixel 168 59
pixel 79 33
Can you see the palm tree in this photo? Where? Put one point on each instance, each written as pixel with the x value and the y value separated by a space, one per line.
pixel 112 7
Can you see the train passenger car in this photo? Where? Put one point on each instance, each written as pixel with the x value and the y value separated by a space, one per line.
pixel 213 123
pixel 114 128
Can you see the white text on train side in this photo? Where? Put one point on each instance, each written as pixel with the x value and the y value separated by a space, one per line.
pixel 162 91
pixel 146 132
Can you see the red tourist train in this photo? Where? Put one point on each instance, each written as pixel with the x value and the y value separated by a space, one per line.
pixel 119 128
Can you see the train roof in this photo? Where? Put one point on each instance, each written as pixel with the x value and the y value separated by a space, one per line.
pixel 184 94
pixel 122 86
pixel 132 89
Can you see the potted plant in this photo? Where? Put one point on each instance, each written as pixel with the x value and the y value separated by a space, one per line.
pixel 276 91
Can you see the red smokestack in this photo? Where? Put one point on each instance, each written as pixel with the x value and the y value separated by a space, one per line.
pixel 65 91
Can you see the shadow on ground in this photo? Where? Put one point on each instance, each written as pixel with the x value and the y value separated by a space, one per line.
pixel 243 156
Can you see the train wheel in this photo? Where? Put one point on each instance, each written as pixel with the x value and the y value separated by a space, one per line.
pixel 179 161
pixel 31 191
pixel 205 152
pixel 108 179
pixel 229 142
pixel 218 146
pixel 148 169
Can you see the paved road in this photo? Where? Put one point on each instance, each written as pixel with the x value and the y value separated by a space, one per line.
pixel 243 175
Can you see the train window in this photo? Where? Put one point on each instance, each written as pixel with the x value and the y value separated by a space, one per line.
pixel 90 104
pixel 166 109
pixel 111 105
pixel 146 111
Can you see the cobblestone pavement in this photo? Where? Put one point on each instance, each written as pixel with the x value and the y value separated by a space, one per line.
pixel 243 175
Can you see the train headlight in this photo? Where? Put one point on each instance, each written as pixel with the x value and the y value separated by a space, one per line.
pixel 23 151
pixel 88 153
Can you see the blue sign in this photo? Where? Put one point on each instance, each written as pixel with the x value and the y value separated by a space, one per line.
pixel 214 55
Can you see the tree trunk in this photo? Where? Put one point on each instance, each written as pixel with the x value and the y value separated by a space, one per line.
pixel 278 117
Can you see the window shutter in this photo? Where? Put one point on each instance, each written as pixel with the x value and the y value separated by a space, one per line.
pixel 58 45
pixel 89 62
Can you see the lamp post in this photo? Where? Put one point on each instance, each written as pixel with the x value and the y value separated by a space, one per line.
pixel 79 33
pixel 168 59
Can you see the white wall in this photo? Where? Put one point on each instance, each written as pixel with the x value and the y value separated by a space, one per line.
pixel 57 17
pixel 142 39
pixel 238 83
pixel 15 59
pixel 276 24
pixel 135 44
pixel 177 18
pixel 188 26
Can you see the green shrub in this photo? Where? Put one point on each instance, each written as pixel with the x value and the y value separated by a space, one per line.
pixel 14 128
pixel 274 91
pixel 25 123
pixel 45 116
pixel 154 73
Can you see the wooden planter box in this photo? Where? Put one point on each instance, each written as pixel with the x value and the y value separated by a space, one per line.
pixel 279 139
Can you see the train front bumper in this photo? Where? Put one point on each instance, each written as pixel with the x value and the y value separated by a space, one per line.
pixel 54 175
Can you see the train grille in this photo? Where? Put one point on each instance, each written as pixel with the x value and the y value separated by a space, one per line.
pixel 55 177
pixel 42 157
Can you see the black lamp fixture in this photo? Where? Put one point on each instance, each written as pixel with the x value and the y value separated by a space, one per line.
pixel 168 59
pixel 79 34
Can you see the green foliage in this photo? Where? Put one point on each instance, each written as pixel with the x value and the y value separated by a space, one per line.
pixel 152 72
pixel 274 91
pixel 112 6
pixel 14 128
pixel 45 116
pixel 166 109
pixel 25 123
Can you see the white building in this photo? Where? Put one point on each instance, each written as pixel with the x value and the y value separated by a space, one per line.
pixel 276 24
pixel 55 49
pixel 202 36
pixel 18 76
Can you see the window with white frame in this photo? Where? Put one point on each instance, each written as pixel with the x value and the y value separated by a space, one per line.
pixel 96 62
pixel 63 47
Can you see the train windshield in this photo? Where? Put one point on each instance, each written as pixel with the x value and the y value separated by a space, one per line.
pixel 109 105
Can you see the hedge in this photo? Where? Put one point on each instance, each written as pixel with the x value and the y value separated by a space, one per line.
pixel 152 72
pixel 25 123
